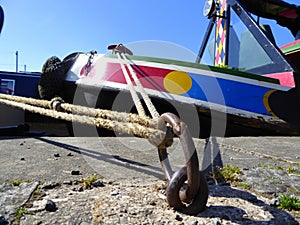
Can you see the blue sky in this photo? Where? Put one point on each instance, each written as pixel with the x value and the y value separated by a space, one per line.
pixel 38 29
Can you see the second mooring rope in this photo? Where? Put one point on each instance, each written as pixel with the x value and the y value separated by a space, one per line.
pixel 142 91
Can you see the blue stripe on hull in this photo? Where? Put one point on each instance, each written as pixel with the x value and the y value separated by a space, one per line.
pixel 230 93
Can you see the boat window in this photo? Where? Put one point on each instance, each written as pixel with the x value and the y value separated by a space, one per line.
pixel 7 86
pixel 208 57
pixel 245 52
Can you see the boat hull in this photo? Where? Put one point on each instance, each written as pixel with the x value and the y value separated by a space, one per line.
pixel 212 101
pixel 202 121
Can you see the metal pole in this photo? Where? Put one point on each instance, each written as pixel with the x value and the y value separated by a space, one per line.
pixel 227 15
pixel 205 40
pixel 17 58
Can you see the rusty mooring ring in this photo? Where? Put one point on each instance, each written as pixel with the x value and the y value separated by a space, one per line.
pixel 196 190
pixel 198 203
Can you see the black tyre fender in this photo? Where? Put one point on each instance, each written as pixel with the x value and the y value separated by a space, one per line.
pixel 53 75
pixel 50 83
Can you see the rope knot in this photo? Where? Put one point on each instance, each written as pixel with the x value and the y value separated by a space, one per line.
pixel 55 104
pixel 163 138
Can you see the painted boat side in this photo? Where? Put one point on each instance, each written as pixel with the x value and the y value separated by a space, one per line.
pixel 240 91
pixel 241 98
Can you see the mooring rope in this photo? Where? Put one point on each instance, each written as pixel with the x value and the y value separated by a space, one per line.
pixel 257 154
pixel 59 105
pixel 133 124
pixel 130 86
pixel 145 96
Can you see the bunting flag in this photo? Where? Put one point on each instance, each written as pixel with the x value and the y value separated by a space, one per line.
pixel 221 31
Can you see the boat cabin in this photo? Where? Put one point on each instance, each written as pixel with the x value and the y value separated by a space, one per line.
pixel 235 40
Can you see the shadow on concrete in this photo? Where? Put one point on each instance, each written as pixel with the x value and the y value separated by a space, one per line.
pixel 113 159
pixel 236 214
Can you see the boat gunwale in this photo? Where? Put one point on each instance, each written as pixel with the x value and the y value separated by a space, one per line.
pixel 227 71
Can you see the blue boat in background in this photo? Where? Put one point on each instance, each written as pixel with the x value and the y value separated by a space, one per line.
pixel 20 84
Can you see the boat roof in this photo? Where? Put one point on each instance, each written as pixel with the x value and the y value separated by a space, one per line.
pixel 285 14
pixel 291 47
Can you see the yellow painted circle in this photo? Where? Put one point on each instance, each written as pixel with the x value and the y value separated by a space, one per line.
pixel 177 82
pixel 266 102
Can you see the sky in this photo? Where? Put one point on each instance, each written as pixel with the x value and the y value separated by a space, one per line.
pixel 39 29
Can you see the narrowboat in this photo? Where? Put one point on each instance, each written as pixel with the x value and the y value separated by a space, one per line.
pixel 240 84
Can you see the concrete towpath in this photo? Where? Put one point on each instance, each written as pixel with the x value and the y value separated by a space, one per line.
pixel 62 158
pixel 270 165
